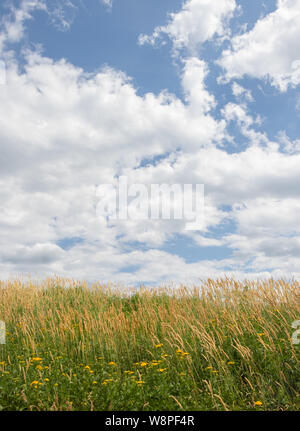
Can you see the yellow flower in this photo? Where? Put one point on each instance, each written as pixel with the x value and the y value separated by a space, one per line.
pixel 129 372
pixel 39 367
pixel 112 363
pixel 260 334
pixel 94 382
pixel 184 353
pixel 179 351
pixel 208 368
pixel 87 367
pixel 230 363
pixel 106 381
pixel 258 403
pixel 46 380
pixel 161 370
pixel 140 382
pixel 55 384
pixel 158 345
pixel 143 364
pixel 35 382
pixel 164 356
pixel 36 359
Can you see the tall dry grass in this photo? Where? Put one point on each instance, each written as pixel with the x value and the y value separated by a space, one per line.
pixel 226 344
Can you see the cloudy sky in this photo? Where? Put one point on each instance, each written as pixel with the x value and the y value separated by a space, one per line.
pixel 176 92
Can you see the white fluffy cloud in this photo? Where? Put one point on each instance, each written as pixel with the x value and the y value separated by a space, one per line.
pixel 197 22
pixel 76 131
pixel 241 93
pixel 270 50
pixel 12 25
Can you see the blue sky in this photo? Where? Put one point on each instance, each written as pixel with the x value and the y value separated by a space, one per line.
pixel 174 92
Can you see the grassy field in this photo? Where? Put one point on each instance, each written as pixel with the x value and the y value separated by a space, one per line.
pixel 224 345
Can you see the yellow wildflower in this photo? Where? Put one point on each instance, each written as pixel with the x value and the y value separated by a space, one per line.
pixel 258 403
pixel 158 345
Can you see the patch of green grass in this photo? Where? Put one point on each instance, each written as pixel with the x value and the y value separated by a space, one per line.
pixel 218 347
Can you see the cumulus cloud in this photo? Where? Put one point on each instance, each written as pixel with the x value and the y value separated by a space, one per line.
pixel 12 25
pixel 197 22
pixel 270 50
pixel 241 93
pixel 73 130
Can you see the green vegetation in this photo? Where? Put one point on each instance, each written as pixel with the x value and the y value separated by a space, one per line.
pixel 222 346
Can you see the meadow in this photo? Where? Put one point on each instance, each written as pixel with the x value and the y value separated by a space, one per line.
pixel 222 345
